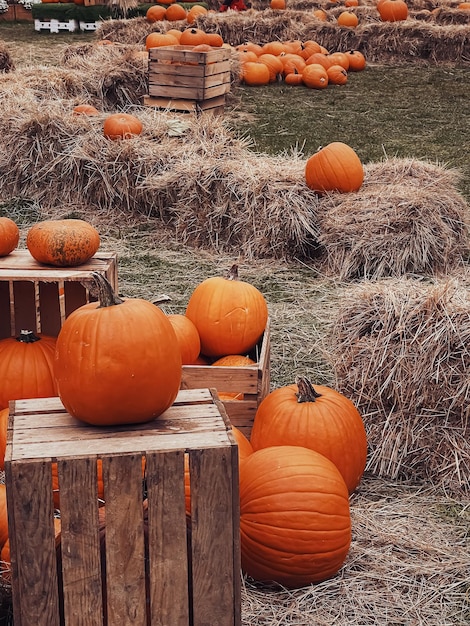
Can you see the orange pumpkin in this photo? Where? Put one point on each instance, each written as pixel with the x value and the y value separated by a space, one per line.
pixel 336 167
pixel 320 14
pixel 292 63
pixel 337 75
pixel 357 61
pixel 117 361
pixel 319 58
pixel 85 109
pixel 319 418
pixel 393 10
pixel 234 360
pixel 309 47
pixel 9 236
pixel 295 524
pixel 278 5
pixel 155 40
pixel 194 12
pixel 155 13
pixel 63 243
pixel 339 58
pixel 187 337
pixel 315 76
pixel 215 40
pixel 347 18
pixel 254 73
pixel 122 126
pixel 294 78
pixel 273 47
pixel 26 367
pixel 193 37
pixel 230 314
pixel 175 12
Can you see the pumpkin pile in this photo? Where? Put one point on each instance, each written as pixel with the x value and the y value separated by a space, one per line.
pixel 296 62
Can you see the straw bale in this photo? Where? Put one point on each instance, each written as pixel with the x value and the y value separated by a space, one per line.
pixel 400 349
pixel 407 218
pixel 408 564
pixel 6 62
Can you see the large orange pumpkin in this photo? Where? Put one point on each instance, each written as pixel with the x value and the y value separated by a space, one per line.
pixel 26 367
pixel 230 314
pixel 319 418
pixel 63 243
pixel 117 360
pixel 122 126
pixel 255 73
pixel 315 76
pixel 336 167
pixel 295 525
pixel 337 75
pixel 175 12
pixel 155 13
pixel 9 235
pixel 193 37
pixel 392 10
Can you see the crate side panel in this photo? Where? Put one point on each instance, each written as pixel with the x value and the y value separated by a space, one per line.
pixel 5 324
pixel 24 307
pixel 125 545
pixel 167 528
pixel 212 536
pixel 80 543
pixel 191 93
pixel 49 308
pixel 33 552
pixel 75 296
pixel 224 379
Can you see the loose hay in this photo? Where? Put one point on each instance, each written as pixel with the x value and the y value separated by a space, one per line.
pixel 6 62
pixel 400 349
pixel 407 218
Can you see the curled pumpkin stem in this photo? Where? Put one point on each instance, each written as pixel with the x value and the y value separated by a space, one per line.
pixel 27 336
pixel 106 295
pixel 233 272
pixel 306 391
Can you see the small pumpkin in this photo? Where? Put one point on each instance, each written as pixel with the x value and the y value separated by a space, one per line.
pixel 194 12
pixel 295 524
pixel 9 236
pixel 357 61
pixel 193 37
pixel 317 417
pixel 234 360
pixel 63 243
pixel 277 5
pixel 122 126
pixel 85 109
pixel 347 18
pixel 337 75
pixel 175 12
pixel 215 40
pixel 336 167
pixel 26 367
pixel 229 314
pixel 315 76
pixel 155 13
pixel 392 10
pixel 320 14
pixel 157 40
pixel 117 361
pixel 293 78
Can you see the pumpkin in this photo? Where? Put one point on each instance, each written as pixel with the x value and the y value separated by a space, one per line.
pixel 250 46
pixel 121 126
pixel 155 13
pixel 117 361
pixel 4 414
pixel 309 47
pixel 320 14
pixel 336 167
pixel 193 37
pixel 26 367
pixel 317 417
pixel 292 63
pixel 85 109
pixel 464 6
pixel 351 3
pixel 295 524
pixel 277 5
pixel 234 360
pixel 273 47
pixel 339 58
pixel 392 10
pixel 215 40
pixel 187 337
pixel 230 314
pixel 3 516
pixel 156 40
pixel 274 65
pixel 347 18
pixel 194 12
pixel 293 78
pixel 175 32
pixel 337 75
pixel 63 243
pixel 315 76
pixel 254 73
pixel 246 55
pixel 357 61
pixel 318 58
pixel 9 236
pixel 175 12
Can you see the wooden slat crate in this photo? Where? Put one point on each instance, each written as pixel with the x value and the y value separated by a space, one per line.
pixel 176 72
pixel 182 105
pixel 253 381
pixel 164 567
pixel 39 297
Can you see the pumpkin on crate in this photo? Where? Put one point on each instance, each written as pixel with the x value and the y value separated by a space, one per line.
pixel 230 314
pixel 117 360
pixel 295 524
pixel 336 167
pixel 62 243
pixel 9 236
pixel 155 40
pixel 232 360
pixel 317 417
pixel 26 367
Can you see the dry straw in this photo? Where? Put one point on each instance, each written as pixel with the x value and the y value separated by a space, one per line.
pixel 6 62
pixel 400 351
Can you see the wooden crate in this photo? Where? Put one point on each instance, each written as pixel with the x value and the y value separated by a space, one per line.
pixel 182 105
pixel 39 297
pixel 253 381
pixel 173 573
pixel 178 73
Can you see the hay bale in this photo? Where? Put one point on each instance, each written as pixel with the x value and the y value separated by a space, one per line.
pixel 400 349
pixel 6 62
pixel 407 218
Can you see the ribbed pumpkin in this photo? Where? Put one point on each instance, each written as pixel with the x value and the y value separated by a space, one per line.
pixel 122 126
pixel 63 243
pixel 337 75
pixel 229 314
pixel 347 18
pixel 26 367
pixel 193 37
pixel 357 61
pixel 117 360
pixel 274 65
pixel 336 167
pixel 85 109
pixel 295 525
pixel 175 12
pixel 317 417
pixel 155 13
pixel 157 40
pixel 254 73
pixel 392 10
pixel 187 337
pixel 9 235
pixel 315 76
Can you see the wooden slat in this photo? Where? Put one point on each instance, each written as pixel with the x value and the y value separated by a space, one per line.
pixel 80 549
pixel 125 545
pixel 168 550
pixel 188 74
pixel 203 93
pixel 185 54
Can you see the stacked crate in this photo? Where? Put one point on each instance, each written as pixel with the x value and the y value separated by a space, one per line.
pixel 180 79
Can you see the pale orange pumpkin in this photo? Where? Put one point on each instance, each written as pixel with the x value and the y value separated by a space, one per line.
pixel 9 236
pixel 122 126
pixel 336 167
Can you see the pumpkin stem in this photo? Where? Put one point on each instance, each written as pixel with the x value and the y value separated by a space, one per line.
pixel 27 336
pixel 306 391
pixel 233 273
pixel 106 295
